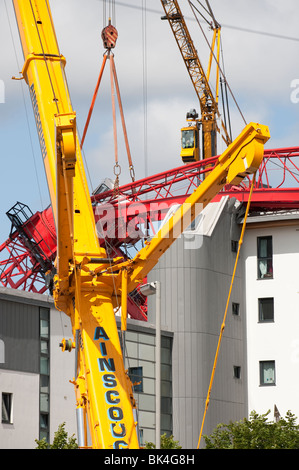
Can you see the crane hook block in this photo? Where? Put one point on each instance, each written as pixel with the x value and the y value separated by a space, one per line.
pixel 109 36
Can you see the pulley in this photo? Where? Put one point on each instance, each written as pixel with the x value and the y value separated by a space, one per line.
pixel 109 36
pixel 67 345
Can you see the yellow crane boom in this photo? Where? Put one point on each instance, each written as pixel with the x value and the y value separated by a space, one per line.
pixel 200 78
pixel 102 386
pixel 88 285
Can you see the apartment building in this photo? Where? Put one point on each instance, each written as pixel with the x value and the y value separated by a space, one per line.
pixel 35 389
pixel 258 358
pixel 271 256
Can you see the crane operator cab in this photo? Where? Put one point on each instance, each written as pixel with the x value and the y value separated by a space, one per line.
pixel 190 139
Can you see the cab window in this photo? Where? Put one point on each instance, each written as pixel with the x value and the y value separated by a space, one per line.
pixel 188 139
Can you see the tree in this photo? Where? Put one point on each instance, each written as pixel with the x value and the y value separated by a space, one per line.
pixel 60 441
pixel 166 443
pixel 256 433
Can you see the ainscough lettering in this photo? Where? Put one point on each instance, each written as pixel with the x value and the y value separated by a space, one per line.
pixel 109 381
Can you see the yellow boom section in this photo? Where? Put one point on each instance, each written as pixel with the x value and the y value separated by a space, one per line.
pixel 200 79
pixel 102 386
pixel 243 157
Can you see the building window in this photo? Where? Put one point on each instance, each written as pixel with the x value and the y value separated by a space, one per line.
pixel 237 372
pixel 234 246
pixel 264 258
pixel 267 372
pixel 7 408
pixel 266 309
pixel 141 438
pixel 235 308
pixel 140 363
pixel 135 374
pixel 44 386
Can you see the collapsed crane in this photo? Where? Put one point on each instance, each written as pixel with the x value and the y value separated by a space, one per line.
pixel 33 235
pixel 88 285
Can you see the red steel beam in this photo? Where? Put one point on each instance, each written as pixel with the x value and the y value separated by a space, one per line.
pixel 147 200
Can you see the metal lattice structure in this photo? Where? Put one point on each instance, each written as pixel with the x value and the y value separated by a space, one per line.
pixel 29 253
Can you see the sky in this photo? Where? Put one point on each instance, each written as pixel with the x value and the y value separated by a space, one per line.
pixel 260 42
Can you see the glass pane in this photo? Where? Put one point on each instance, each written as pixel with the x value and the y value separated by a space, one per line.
pixel 131 336
pixel 44 383
pixel 188 139
pixel 149 385
pixel 44 313
pixel 265 269
pixel 44 421
pixel 165 421
pixel 235 308
pixel 44 328
pixel 6 407
pixel 131 349
pixel 44 365
pixel 148 368
pixel 165 372
pixel 135 374
pixel 146 402
pixel 129 362
pixel 267 372
pixel 266 309
pixel 44 434
pixel 166 405
pixel 262 248
pixel 44 402
pixel 165 355
pixel 146 352
pixel 147 339
pixel 166 342
pixel 146 419
pixel 148 435
pixel 44 347
pixel 166 389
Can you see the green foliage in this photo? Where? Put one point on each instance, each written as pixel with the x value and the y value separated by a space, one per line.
pixel 60 441
pixel 256 433
pixel 166 443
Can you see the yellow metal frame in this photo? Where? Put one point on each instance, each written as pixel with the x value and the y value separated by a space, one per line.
pixel 191 153
pixel 200 79
pixel 88 285
pixel 102 386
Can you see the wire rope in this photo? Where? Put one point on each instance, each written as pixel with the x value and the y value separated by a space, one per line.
pixel 109 7
pixel 144 82
pixel 238 28
pixel 45 59
pixel 225 312
pixel 220 68
pixel 26 111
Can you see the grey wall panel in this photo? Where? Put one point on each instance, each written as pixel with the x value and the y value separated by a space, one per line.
pixel 19 329
pixel 194 289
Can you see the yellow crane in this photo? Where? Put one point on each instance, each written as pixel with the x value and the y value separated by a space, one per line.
pixel 88 285
pixel 190 151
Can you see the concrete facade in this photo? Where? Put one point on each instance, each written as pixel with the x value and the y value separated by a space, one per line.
pixel 27 359
pixel 195 275
pixel 277 338
pixel 20 370
pixel 24 428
